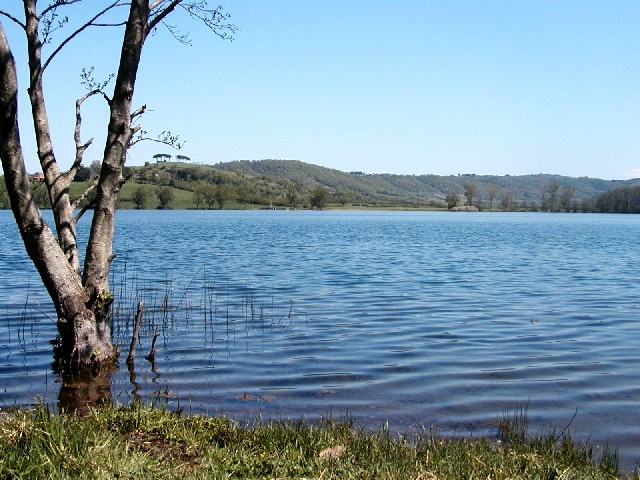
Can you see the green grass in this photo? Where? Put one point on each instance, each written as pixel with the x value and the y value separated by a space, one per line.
pixel 182 200
pixel 151 443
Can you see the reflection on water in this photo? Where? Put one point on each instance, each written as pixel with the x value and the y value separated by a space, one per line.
pixel 411 318
pixel 81 391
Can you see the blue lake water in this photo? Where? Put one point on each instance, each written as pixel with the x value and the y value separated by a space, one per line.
pixel 412 318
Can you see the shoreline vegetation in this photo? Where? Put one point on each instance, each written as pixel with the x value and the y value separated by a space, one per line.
pixel 151 442
pixel 290 184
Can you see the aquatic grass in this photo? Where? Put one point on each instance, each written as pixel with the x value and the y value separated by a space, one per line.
pixel 141 442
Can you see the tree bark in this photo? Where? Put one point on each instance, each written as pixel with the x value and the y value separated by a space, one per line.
pixel 85 343
pixel 99 248
pixel 57 183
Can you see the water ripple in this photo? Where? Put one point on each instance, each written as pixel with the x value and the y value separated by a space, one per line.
pixel 416 319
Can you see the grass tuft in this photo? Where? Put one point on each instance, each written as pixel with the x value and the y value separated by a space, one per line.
pixel 145 442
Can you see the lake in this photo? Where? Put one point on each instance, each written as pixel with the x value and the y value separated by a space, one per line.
pixel 411 319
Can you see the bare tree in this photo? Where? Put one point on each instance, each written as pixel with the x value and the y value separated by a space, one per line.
pixel 82 299
pixel 550 203
pixel 506 200
pixel 491 192
pixel 566 198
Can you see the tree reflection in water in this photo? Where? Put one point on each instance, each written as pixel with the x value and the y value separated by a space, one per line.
pixel 80 391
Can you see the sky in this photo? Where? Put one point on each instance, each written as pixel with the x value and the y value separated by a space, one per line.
pixel 408 87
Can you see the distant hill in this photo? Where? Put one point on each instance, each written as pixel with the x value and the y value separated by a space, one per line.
pixel 418 188
pixel 295 184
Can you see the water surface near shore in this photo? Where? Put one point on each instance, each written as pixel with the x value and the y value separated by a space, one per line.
pixel 411 318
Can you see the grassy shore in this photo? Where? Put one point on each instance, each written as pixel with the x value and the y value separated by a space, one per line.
pixel 139 442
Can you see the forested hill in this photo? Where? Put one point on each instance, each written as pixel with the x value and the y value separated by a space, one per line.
pixel 419 188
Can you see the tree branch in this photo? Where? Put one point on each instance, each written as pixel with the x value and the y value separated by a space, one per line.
pixel 139 112
pixel 124 179
pixel 58 3
pixel 166 138
pixel 213 18
pixel 153 22
pixel 91 83
pixel 12 18
pixel 116 3
pixel 84 209
pixel 79 200
pixel 50 25
pixel 108 24
pixel 81 147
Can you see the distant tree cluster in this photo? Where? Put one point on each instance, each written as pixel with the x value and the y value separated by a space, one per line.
pixel 556 198
pixel 211 194
pixel 489 197
pixel 620 200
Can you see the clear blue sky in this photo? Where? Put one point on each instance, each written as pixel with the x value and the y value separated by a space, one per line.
pixel 410 87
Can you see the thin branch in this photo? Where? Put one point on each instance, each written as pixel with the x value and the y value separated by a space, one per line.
pixel 91 83
pixel 139 112
pixel 116 3
pixel 50 26
pixel 166 138
pixel 213 18
pixel 135 130
pixel 81 147
pixel 163 13
pixel 86 192
pixel 180 37
pixel 12 18
pixel 86 207
pixel 121 24
pixel 58 3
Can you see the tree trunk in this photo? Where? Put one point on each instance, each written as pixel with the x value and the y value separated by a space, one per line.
pixel 57 183
pixel 99 248
pixel 85 332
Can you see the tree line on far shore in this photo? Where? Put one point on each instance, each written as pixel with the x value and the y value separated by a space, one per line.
pixel 554 197
pixel 185 186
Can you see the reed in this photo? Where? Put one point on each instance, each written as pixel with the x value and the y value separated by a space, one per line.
pixel 207 299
